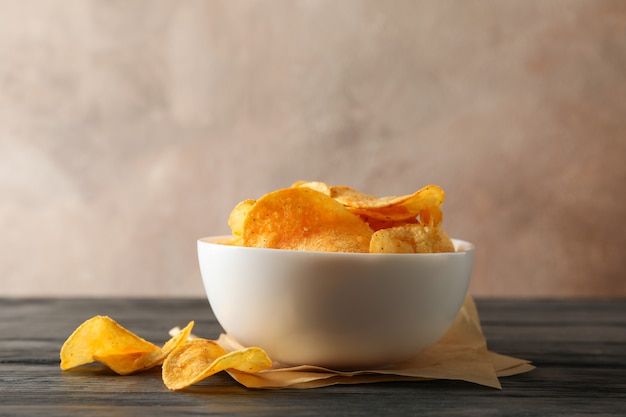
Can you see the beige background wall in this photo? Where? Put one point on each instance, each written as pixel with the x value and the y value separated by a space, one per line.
pixel 128 129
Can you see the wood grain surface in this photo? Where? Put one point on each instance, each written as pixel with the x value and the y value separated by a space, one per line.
pixel 578 346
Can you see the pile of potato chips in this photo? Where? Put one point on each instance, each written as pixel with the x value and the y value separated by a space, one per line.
pixel 185 359
pixel 314 216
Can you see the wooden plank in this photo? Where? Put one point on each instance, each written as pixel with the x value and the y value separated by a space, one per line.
pixel 578 345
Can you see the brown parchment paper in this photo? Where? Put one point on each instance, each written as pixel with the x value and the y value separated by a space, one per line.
pixel 462 354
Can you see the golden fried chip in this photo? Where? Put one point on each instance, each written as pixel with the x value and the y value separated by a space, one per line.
pixel 413 238
pixel 238 215
pixel 390 208
pixel 100 336
pixel 102 339
pixel 322 187
pixel 377 224
pixel 301 218
pixel 431 216
pixel 200 358
pixel 124 363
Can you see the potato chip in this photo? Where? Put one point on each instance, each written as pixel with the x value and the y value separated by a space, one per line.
pixel 377 224
pixel 322 187
pixel 390 208
pixel 100 336
pixel 200 358
pixel 102 339
pixel 301 218
pixel 237 218
pixel 431 195
pixel 124 364
pixel 431 216
pixel 413 238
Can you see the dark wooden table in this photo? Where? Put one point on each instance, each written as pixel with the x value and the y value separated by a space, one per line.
pixel 578 346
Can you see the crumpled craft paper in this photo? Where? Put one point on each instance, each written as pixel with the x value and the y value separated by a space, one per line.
pixel 460 355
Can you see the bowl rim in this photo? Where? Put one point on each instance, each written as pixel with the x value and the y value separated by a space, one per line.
pixel 462 248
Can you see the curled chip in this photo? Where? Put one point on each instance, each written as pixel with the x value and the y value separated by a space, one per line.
pixel 238 216
pixel 200 358
pixel 389 208
pixel 302 218
pixel 413 238
pixel 102 339
pixel 377 224
pixel 322 187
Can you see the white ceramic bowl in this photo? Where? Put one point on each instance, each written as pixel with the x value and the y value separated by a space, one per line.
pixel 338 310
